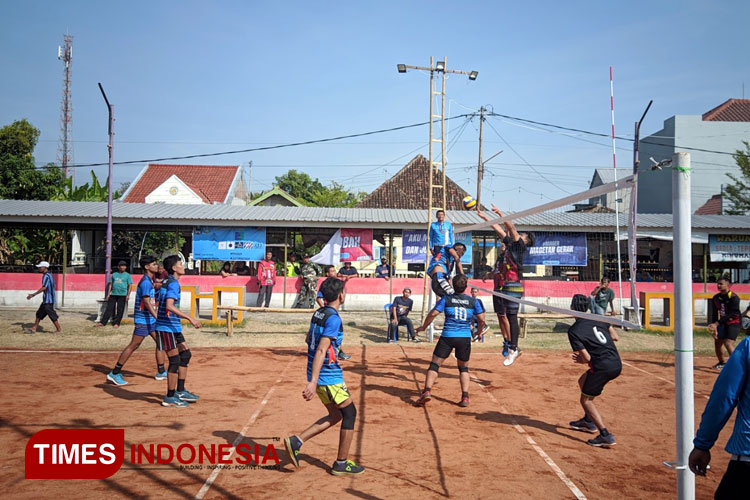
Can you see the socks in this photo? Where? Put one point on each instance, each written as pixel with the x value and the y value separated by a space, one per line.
pixel 180 384
pixel 117 369
pixel 464 394
pixel 170 393
pixel 160 368
pixel 604 432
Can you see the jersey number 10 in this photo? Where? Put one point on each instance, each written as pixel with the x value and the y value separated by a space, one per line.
pixel 460 314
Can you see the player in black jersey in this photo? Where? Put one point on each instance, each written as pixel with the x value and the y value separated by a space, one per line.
pixel 592 344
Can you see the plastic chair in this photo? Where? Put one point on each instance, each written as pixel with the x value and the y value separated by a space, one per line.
pixel 388 316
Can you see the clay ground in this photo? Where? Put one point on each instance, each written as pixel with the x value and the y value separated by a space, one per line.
pixel 494 448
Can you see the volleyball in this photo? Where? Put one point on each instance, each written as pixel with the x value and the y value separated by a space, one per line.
pixel 469 203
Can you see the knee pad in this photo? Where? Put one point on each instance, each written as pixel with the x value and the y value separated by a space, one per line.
pixel 174 363
pixel 348 415
pixel 463 369
pixel 434 367
pixel 185 358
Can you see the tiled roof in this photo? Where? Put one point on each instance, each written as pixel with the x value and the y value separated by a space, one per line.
pixel 711 207
pixel 408 189
pixel 210 182
pixel 733 110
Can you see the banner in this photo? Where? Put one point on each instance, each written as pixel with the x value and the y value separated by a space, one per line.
pixel 464 238
pixel 729 248
pixel 557 249
pixel 229 243
pixel 414 246
pixel 356 245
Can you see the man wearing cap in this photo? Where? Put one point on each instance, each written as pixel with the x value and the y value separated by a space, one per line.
pixel 118 294
pixel 47 307
pixel 383 270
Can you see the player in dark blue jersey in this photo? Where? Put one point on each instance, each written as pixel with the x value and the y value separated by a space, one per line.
pixel 460 310
pixel 326 379
pixel 145 323
pixel 330 272
pixel 169 335
pixel 441 267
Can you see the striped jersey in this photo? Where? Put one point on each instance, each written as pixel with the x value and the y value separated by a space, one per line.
pixel 326 322
pixel 144 292
pixel 166 321
pixel 49 292
pixel 459 310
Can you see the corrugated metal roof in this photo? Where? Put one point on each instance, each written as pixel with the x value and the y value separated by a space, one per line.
pixel 72 213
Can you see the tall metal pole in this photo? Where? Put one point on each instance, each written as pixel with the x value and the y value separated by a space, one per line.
pixel 426 293
pixel 683 333
pixel 444 206
pixel 617 202
pixel 480 168
pixel 110 149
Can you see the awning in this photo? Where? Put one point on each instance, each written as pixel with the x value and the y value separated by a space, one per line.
pixel 665 236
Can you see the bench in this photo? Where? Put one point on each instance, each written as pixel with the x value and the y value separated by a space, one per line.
pixel 523 320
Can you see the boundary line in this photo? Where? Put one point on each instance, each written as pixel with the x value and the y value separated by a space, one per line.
pixel 40 351
pixel 552 465
pixel 660 378
pixel 210 481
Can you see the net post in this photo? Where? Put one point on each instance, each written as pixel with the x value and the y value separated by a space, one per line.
pixel 230 323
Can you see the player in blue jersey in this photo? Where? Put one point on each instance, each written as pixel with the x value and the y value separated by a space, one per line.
pixel 441 239
pixel 145 323
pixel 330 272
pixel 460 310
pixel 326 379
pixel 169 336
pixel 441 268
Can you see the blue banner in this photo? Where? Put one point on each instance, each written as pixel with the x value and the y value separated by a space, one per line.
pixel 229 243
pixel 465 238
pixel 557 249
pixel 414 246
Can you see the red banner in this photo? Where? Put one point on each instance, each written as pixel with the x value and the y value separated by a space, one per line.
pixel 74 453
pixel 356 244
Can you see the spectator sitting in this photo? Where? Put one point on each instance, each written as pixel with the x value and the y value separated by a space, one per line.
pixel 242 269
pixel 483 269
pixel 399 311
pixel 347 272
pixel 383 270
pixel 644 276
pixel 601 296
pixel 226 270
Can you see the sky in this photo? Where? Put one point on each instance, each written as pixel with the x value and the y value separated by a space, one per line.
pixel 195 77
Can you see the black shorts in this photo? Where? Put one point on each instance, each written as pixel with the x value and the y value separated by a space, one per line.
pixel 436 286
pixel 445 345
pixel 166 341
pixel 49 310
pixel 498 304
pixel 727 332
pixel 597 379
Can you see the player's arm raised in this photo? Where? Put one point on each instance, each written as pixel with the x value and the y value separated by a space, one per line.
pixel 320 354
pixel 496 227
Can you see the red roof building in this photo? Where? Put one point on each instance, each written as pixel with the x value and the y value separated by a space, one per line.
pixel 712 207
pixel 188 184
pixel 733 110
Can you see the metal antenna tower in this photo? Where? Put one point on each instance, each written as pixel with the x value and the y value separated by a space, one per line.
pixel 65 147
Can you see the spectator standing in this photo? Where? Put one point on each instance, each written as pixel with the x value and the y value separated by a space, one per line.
pixel 725 320
pixel 309 272
pixel 384 270
pixel 399 311
pixel 347 272
pixel 47 307
pixel 292 269
pixel 600 297
pixel 266 280
pixel 118 295
pixel 482 269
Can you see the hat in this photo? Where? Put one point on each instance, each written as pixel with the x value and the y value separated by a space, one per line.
pixel 306 256
pixel 43 263
pixel 122 263
pixel 383 258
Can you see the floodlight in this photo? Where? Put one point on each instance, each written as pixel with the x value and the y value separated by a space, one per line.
pixel 401 68
pixel 473 75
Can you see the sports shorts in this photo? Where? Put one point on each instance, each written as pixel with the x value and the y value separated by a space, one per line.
pixel 142 330
pixel 445 345
pixel 46 310
pixel 730 332
pixel 597 379
pixel 436 285
pixel 512 289
pixel 166 341
pixel 498 304
pixel 335 393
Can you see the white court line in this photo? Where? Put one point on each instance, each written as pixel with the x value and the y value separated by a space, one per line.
pixel 657 376
pixel 210 481
pixel 572 487
pixel 54 352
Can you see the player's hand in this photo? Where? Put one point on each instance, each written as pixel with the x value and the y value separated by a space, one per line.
pixel 28 297
pixel 482 215
pixel 394 322
pixel 309 391
pixel 614 336
pixel 195 323
pixel 419 330
pixel 698 461
pixel 578 358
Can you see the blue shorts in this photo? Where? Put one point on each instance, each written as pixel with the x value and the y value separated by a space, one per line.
pixel 143 330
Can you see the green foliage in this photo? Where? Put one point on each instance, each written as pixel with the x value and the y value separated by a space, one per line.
pixel 738 194
pixel 312 193
pixel 27 246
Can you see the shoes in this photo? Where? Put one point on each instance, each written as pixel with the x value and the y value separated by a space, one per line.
pixel 416 340
pixel 116 378
pixel 344 356
pixel 602 441
pixel 512 356
pixel 424 398
pixel 293 445
pixel 583 425
pixel 115 326
pixel 485 329
pixel 718 366
pixel 187 396
pixel 174 401
pixel 348 468
pixel 464 402
pixel 161 375
pixel 505 348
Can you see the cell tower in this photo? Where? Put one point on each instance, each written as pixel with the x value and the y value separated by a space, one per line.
pixel 65 147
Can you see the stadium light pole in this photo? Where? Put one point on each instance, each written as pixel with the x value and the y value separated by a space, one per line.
pixel 442 68
pixel 110 148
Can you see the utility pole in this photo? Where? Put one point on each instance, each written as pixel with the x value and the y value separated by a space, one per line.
pixel 480 168
pixel 110 149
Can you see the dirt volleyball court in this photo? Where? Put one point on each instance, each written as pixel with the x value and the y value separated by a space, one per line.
pixel 511 442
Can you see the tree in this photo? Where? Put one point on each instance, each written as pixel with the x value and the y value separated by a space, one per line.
pixel 337 196
pixel 738 194
pixel 311 192
pixel 19 177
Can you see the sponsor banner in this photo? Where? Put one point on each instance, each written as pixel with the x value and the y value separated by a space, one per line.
pixel 465 238
pixel 414 246
pixel 729 248
pixel 229 243
pixel 356 245
pixel 557 249
pixel 74 453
